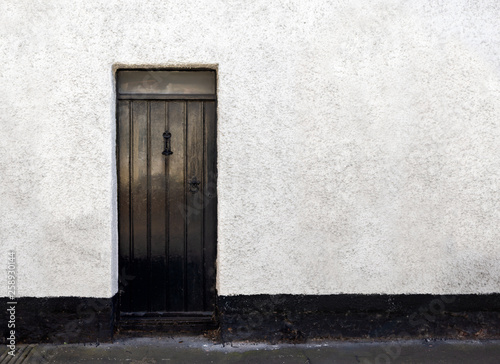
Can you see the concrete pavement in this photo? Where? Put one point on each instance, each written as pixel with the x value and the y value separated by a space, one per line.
pixel 194 350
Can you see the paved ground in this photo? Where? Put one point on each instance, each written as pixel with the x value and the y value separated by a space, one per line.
pixel 193 350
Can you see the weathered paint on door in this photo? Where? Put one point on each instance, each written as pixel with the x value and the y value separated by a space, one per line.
pixel 167 201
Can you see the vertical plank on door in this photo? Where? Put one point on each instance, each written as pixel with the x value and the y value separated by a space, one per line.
pixel 176 207
pixel 123 152
pixel 139 185
pixel 194 201
pixel 157 203
pixel 210 208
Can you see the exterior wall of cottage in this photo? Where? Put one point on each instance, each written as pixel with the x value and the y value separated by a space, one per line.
pixel 358 142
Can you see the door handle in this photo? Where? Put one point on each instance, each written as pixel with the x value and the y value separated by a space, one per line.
pixel 194 185
pixel 167 151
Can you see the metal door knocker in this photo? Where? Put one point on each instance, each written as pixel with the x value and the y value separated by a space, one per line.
pixel 167 150
pixel 194 185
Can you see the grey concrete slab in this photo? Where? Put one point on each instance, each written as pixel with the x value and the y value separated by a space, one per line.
pixel 194 350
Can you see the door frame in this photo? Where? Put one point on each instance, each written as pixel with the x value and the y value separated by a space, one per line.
pixel 181 322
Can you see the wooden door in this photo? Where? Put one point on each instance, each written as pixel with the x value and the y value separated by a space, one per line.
pixel 166 151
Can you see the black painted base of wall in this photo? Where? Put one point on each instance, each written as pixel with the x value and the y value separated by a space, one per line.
pixel 60 319
pixel 273 318
pixel 296 318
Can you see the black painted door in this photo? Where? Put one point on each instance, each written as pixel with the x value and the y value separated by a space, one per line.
pixel 166 151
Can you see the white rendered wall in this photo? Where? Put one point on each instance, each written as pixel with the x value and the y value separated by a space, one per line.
pixel 358 141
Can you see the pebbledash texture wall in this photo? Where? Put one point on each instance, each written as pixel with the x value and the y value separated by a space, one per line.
pixel 358 142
